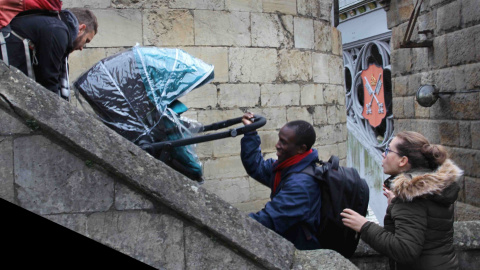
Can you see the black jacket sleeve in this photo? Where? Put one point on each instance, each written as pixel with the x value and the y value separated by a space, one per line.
pixel 51 50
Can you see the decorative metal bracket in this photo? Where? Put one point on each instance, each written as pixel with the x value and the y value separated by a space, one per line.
pixel 407 43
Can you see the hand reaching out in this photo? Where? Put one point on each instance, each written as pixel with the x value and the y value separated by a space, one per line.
pixel 353 219
pixel 389 194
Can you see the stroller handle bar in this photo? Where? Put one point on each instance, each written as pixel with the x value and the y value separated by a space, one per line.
pixel 258 122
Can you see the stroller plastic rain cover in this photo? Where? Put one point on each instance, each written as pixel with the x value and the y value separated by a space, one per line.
pixel 135 93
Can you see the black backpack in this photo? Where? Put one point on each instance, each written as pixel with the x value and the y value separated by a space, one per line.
pixel 341 187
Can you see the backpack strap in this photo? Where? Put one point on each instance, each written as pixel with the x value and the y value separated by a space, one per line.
pixel 28 45
pixel 335 161
pixel 3 46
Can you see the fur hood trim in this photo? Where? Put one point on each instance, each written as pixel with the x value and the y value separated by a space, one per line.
pixel 408 186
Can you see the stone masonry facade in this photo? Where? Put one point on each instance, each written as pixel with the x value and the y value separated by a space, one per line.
pixel 452 64
pixel 63 164
pixel 280 59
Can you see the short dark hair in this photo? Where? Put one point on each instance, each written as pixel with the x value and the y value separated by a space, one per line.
pixel 85 16
pixel 304 132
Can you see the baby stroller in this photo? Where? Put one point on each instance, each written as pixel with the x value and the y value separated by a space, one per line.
pixel 135 92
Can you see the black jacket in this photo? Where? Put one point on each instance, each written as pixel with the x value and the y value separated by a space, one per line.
pixel 418 232
pixel 53 39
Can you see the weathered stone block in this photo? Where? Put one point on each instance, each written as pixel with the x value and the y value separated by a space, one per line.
pixel 332 115
pixel 229 94
pixel 10 125
pixel 467 160
pixel 198 4
pixel 142 4
pixel 414 82
pixel 227 147
pixel 211 116
pixel 69 186
pixel 470 11
pixel 401 62
pixel 280 95
pixel 465 139
pixel 223 168
pixel 222 28
pixel 295 65
pixel 329 134
pixel 400 86
pixel 397 107
pixel 205 149
pixel 448 17
pixel 152 238
pixel 397 36
pixel 90 4
pixel 336 41
pixel 6 169
pixel 163 27
pixel 449 133
pixel 475 134
pixel 80 62
pixel 403 124
pixel 130 199
pixel 464 106
pixel 299 113
pixel 429 128
pixel 467 77
pixel 276 117
pixel 335 69
pixel 326 10
pixel 311 94
pixel 272 30
pixel 421 112
pixel 445 79
pixel 217 56
pixel 303 35
pixel 328 259
pixel 472 189
pixel 244 5
pixel 439 52
pixel 330 94
pixel 321 70
pixel 309 8
pixel 282 6
pixel 420 59
pixel 117 28
pixel 204 97
pixel 320 115
pixel 231 190
pixel 341 97
pixel 476 35
pixel 253 65
pixel 460 49
pixel 207 252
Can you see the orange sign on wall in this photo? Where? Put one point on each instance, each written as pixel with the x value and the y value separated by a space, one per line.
pixel 373 95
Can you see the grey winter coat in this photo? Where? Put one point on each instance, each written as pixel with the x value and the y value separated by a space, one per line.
pixel 418 232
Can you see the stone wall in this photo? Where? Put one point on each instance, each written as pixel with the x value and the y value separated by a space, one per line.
pixel 281 59
pixel 452 64
pixel 63 164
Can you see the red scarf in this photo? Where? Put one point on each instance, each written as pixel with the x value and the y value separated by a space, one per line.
pixel 287 163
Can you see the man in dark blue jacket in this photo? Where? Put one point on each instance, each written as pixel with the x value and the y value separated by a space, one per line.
pixel 294 208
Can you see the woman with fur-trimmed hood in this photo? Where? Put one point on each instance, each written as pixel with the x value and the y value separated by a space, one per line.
pixel 418 232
